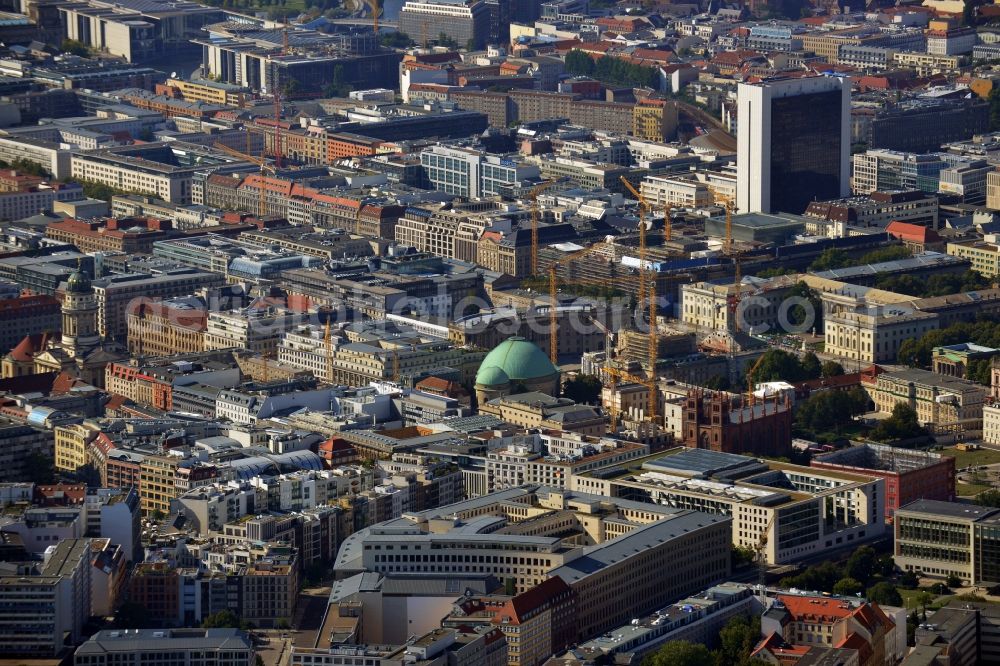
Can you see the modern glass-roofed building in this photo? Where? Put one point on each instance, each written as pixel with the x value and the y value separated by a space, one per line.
pixel 610 551
pixel 800 510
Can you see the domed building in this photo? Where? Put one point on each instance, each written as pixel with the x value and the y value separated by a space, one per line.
pixel 80 352
pixel 516 365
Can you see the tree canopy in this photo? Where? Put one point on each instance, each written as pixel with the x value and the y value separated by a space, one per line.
pixel 935 285
pixel 901 424
pixel 848 586
pixel 736 642
pixel 779 365
pixel 611 70
pixel 830 410
pixel 916 352
pixel 224 619
pixel 832 258
pixel 884 593
pixel 583 389
pixel 681 653
pixel 831 369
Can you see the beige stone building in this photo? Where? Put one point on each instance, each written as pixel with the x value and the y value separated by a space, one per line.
pixel 985 257
pixel 938 399
pixel 993 190
pixel 874 336
pixel 926 64
pixel 359 363
pixel 429 232
pixel 157 483
pixel 164 328
pixel 538 410
pixel 256 329
pixel 678 191
pixel 654 119
pixel 71 442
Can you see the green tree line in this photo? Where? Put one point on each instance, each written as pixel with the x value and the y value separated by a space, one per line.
pixel 611 70
pixel 833 258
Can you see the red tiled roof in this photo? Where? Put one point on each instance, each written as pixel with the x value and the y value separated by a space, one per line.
pixel 27 348
pixel 735 57
pixel 817 609
pixel 37 383
pixel 840 381
pixel 915 233
pixel 115 402
pixel 65 382
pixel 63 493
pixel 658 55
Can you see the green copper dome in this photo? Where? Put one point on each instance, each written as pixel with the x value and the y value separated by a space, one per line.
pixel 78 282
pixel 514 359
pixel 492 376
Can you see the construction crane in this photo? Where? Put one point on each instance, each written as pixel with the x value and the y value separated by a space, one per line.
pixel 727 204
pixel 265 168
pixel 646 267
pixel 277 128
pixel 752 370
pixel 759 556
pixel 533 195
pixel 553 295
pixel 729 249
pixel 650 384
pixel 328 345
pixel 373 5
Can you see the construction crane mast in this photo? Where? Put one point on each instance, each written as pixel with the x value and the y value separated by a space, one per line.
pixel 646 269
pixel 533 195
pixel 277 129
pixel 760 557
pixel 729 249
pixel 373 5
pixel 265 168
pixel 328 345
pixel 554 295
pixel 649 382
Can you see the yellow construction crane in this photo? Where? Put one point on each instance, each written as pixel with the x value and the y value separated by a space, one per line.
pixel 646 268
pixel 328 345
pixel 553 296
pixel 373 5
pixel 649 382
pixel 752 370
pixel 533 195
pixel 729 249
pixel 727 204
pixel 759 556
pixel 265 168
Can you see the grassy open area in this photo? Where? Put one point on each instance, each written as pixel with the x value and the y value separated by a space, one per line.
pixel 969 489
pixel 981 456
pixel 848 430
pixel 911 598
